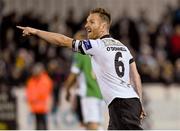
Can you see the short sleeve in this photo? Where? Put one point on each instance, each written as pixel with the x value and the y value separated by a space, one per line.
pixel 75 69
pixel 131 59
pixel 76 64
pixel 88 47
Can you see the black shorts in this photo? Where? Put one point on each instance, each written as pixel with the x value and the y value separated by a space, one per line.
pixel 124 114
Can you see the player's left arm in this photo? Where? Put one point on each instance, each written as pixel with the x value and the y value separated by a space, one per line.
pixel 135 79
pixel 136 82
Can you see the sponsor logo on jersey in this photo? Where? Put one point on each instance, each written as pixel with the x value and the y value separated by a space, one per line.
pixel 112 42
pixel 87 44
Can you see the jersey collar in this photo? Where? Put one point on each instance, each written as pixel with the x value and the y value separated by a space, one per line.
pixel 106 36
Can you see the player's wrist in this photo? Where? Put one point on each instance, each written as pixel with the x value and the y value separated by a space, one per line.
pixel 36 32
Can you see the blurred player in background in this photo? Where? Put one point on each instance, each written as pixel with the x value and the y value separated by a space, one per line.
pixel 113 65
pixel 90 96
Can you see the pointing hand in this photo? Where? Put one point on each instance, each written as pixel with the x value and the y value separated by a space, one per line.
pixel 27 30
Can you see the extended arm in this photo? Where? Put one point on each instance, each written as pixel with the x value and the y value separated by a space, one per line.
pixel 53 38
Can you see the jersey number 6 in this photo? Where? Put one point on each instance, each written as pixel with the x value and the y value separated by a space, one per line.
pixel 119 65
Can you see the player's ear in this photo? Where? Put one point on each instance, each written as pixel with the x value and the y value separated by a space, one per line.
pixel 104 25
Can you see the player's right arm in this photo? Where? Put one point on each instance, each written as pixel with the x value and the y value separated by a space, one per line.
pixel 53 38
pixel 81 46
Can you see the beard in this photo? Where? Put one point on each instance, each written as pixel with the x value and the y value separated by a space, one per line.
pixel 92 35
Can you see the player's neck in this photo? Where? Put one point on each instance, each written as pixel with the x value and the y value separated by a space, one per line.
pixel 105 33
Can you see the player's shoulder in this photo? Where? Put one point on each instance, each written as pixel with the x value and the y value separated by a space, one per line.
pixel 111 42
pixel 115 45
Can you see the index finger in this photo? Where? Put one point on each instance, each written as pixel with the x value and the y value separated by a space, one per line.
pixel 20 27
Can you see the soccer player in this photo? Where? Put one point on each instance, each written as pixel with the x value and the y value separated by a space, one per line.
pixel 113 65
pixel 90 95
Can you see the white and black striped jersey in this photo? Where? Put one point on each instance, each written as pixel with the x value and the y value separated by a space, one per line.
pixel 111 64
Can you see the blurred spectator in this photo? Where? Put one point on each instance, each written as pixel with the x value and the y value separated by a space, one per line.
pixel 176 14
pixel 58 76
pixel 39 89
pixel 57 25
pixel 143 22
pixel 8 22
pixel 165 26
pixel 70 22
pixel 166 72
pixel 8 108
pixel 175 43
pixel 161 45
pixel 163 34
pixel 147 63
pixel 126 27
pixel 17 77
pixel 1 6
pixel 177 71
pixel 165 65
pixel 19 68
pixel 3 70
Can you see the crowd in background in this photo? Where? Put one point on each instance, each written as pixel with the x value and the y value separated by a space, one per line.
pixel 156 47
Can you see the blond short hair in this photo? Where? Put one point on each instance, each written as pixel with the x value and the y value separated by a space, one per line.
pixel 105 15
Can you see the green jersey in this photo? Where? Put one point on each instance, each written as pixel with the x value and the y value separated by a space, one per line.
pixel 83 63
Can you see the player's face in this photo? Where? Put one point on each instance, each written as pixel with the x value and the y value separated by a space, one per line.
pixel 93 26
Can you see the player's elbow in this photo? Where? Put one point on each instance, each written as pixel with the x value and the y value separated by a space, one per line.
pixel 64 41
pixel 137 77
